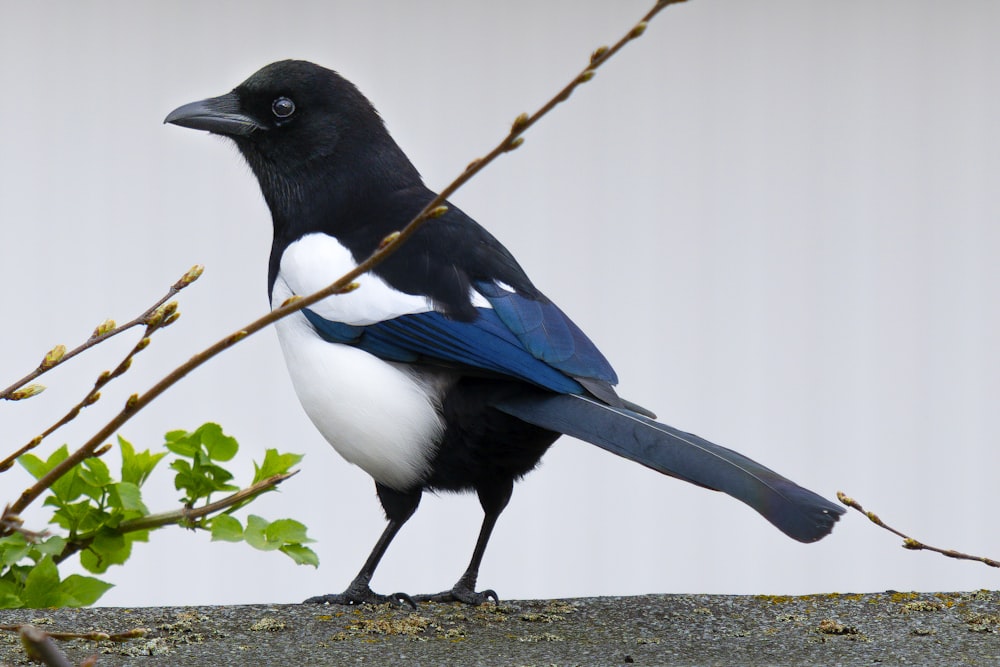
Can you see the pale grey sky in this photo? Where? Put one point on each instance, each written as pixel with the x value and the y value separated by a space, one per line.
pixel 778 219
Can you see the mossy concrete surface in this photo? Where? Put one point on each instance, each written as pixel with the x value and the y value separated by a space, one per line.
pixel 836 629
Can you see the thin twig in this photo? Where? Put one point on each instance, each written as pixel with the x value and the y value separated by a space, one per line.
pixel 185 515
pixel 909 542
pixel 12 523
pixel 162 316
pixel 102 332
pixel 434 208
pixel 39 646
pixel 95 636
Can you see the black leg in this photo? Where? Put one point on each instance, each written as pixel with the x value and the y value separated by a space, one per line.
pixel 493 500
pixel 399 507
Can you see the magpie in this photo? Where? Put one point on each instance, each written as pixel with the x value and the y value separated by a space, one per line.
pixel 447 369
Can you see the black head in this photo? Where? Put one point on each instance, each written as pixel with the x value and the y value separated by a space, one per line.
pixel 301 126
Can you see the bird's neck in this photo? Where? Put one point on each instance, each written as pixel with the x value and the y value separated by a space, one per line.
pixel 351 196
pixel 337 194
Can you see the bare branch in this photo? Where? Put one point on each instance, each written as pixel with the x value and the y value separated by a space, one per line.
pixel 12 523
pixel 94 636
pixel 158 317
pixel 909 542
pixel 105 330
pixel 39 646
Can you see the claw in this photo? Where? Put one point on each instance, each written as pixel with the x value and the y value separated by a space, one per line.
pixel 402 598
pixel 355 596
pixel 460 594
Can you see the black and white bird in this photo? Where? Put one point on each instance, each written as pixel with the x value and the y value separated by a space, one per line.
pixel 447 369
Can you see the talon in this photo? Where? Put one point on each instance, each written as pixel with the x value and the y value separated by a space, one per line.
pixel 354 596
pixel 461 594
pixel 402 598
pixel 319 599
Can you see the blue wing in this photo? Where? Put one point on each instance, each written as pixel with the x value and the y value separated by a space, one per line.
pixel 547 334
pixel 520 337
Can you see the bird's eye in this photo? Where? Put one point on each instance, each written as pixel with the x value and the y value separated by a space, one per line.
pixel 282 107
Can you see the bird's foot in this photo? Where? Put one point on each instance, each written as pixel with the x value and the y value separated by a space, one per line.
pixel 356 595
pixel 461 594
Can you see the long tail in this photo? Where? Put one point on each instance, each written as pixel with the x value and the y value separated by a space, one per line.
pixel 795 511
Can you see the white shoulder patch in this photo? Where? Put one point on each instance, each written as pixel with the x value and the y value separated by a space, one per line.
pixel 316 260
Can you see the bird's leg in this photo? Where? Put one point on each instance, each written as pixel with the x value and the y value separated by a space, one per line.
pixel 493 500
pixel 399 507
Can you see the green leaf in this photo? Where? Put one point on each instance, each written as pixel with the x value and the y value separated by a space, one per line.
pixel 10 594
pixel 68 486
pixel 13 549
pixel 207 438
pixel 182 443
pixel 302 555
pixel 288 531
pixel 41 587
pixel 34 465
pixel 52 546
pixel 108 548
pixel 78 517
pixel 256 534
pixel 274 464
pixel 226 528
pixel 200 480
pixel 137 467
pixel 220 447
pixel 138 535
pixel 80 591
pixel 127 496
pixel 171 436
pixel 95 472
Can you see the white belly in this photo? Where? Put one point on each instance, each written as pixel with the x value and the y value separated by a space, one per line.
pixel 375 415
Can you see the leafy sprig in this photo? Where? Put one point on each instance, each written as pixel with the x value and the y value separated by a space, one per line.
pixel 101 516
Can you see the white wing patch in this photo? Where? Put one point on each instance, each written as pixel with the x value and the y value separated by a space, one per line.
pixel 316 260
pixel 376 415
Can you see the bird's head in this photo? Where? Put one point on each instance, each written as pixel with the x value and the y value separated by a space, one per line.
pixel 287 113
pixel 303 128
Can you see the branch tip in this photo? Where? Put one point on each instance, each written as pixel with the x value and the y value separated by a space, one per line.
pixel 437 212
pixel 26 392
pixel 519 123
pixel 103 328
pixel 388 240
pixel 53 356
pixel 192 275
pixel 909 542
pixel 514 144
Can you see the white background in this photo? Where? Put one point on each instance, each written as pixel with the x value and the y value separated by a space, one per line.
pixel 778 219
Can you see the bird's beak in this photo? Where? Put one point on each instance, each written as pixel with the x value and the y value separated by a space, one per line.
pixel 220 115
